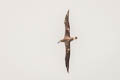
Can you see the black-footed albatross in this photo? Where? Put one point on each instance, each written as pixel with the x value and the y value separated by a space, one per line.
pixel 67 39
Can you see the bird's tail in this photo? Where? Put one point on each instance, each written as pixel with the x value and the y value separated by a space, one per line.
pixel 58 42
pixel 67 58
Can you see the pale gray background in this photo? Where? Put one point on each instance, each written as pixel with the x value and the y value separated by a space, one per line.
pixel 30 30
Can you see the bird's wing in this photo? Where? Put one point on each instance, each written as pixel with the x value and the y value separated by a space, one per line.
pixel 67 57
pixel 67 25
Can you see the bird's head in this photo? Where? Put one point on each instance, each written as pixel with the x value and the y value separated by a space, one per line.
pixel 75 37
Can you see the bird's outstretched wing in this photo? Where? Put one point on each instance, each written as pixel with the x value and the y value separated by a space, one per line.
pixel 67 25
pixel 67 57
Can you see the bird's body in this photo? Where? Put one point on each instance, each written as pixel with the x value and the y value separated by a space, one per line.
pixel 67 39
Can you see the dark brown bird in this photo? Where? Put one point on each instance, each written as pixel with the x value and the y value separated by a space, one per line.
pixel 67 39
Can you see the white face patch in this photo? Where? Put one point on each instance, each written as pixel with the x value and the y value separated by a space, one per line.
pixel 74 38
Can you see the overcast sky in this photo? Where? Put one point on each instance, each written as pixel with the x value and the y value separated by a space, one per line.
pixel 30 30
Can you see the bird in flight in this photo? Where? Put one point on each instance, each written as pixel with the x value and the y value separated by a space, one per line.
pixel 67 39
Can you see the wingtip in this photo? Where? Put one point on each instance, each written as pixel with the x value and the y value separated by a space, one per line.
pixel 68 71
pixel 68 12
pixel 66 17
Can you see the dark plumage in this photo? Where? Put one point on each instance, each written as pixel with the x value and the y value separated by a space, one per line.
pixel 67 39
